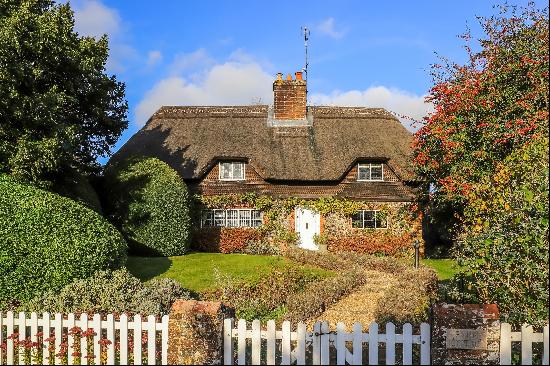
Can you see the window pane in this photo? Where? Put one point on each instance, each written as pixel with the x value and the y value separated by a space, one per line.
pixel 363 172
pixel 256 218
pixel 369 219
pixel 232 218
pixel 238 171
pixel 376 172
pixel 207 216
pixel 219 217
pixel 357 220
pixel 244 218
pixel 381 220
pixel 225 170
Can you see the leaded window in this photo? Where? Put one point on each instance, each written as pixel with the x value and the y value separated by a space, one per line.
pixel 240 217
pixel 369 219
pixel 370 172
pixel 232 170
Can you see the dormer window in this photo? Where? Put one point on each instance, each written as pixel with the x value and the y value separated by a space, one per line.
pixel 370 172
pixel 232 170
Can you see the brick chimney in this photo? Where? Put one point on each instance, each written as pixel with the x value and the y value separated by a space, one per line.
pixel 289 97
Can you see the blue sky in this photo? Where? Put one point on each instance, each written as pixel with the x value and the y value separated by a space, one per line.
pixel 370 53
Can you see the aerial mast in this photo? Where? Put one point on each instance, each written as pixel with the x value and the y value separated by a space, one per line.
pixel 305 32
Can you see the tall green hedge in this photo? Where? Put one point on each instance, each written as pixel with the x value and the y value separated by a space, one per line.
pixel 149 202
pixel 47 241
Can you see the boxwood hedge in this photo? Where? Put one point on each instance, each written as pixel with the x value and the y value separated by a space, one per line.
pixel 48 240
pixel 149 202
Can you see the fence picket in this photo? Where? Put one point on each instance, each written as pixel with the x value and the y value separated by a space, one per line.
pixel 546 345
pixel 256 342
pixel 390 344
pixel 271 342
pixel 317 343
pixel 340 344
pixel 58 334
pixel 151 339
pixel 137 339
pixel 357 358
pixel 241 342
pixel 9 340
pixel 228 342
pixel 1 335
pixel 407 344
pixel 301 332
pixel 325 357
pixel 70 338
pixel 164 341
pixel 110 325
pixel 83 324
pixel 46 334
pixel 22 329
pixel 373 344
pixel 96 325
pixel 123 339
pixel 425 344
pixel 526 344
pixel 505 344
pixel 34 335
pixel 285 344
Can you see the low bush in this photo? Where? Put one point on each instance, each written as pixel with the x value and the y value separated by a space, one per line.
pixel 111 292
pixel 261 247
pixel 371 243
pixel 149 202
pixel 225 240
pixel 408 300
pixel 48 240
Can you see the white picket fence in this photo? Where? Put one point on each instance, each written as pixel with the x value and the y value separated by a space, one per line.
pixel 99 341
pixel 271 346
pixel 527 337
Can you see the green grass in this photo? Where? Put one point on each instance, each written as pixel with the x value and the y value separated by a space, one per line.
pixel 195 271
pixel 445 268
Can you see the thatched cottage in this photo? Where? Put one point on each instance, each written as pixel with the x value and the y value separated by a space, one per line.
pixel 342 174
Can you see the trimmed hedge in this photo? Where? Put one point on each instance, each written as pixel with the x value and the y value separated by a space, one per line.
pixel 149 202
pixel 225 240
pixel 108 292
pixel 48 240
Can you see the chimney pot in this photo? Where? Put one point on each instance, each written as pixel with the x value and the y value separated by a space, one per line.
pixel 298 75
pixel 279 76
pixel 289 77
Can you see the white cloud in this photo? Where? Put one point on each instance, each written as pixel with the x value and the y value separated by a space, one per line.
pixel 394 100
pixel 230 83
pixel 92 18
pixel 328 28
pixel 153 58
pixel 190 62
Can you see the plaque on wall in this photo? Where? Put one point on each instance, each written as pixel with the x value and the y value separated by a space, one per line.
pixel 466 339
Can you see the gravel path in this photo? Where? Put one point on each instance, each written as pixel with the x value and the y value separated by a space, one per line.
pixel 360 305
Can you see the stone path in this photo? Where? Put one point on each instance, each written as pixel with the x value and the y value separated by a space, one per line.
pixel 360 305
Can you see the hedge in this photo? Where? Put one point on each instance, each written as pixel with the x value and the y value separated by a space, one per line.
pixel 149 202
pixel 49 240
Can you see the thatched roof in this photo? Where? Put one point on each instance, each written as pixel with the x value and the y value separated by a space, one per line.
pixel 192 139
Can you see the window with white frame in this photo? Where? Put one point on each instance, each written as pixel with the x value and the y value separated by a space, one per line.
pixel 238 217
pixel 370 172
pixel 369 219
pixel 232 170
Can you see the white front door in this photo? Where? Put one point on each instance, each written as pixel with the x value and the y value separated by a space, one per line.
pixel 307 224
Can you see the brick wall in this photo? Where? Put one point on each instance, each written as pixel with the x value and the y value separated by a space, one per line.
pixel 289 98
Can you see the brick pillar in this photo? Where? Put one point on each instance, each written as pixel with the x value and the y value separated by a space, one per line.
pixel 195 332
pixel 289 97
pixel 466 334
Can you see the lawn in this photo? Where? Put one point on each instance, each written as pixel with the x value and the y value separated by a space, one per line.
pixel 196 271
pixel 445 268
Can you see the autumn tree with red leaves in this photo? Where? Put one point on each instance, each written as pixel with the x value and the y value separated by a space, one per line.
pixel 486 109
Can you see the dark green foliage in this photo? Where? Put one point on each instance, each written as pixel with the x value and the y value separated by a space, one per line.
pixel 149 202
pixel 111 291
pixel 504 249
pixel 48 240
pixel 77 187
pixel 58 108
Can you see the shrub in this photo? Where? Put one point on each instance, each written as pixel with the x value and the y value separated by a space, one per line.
pixel 371 243
pixel 225 240
pixel 149 202
pixel 49 240
pixel 111 292
pixel 261 247
pixel 408 300
pixel 77 187
pixel 504 249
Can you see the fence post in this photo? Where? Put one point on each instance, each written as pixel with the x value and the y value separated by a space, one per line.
pixel 195 332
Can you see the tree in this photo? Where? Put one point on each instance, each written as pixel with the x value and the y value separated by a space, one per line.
pixel 59 110
pixel 486 109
